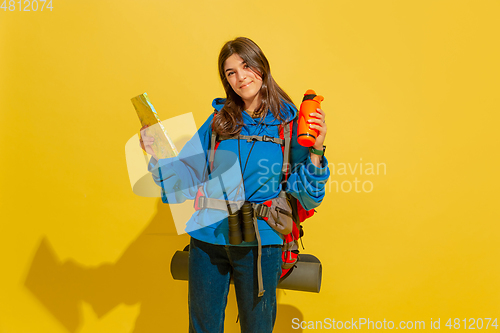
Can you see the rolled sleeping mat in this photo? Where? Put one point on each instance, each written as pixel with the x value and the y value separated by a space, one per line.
pixel 306 276
pixel 179 265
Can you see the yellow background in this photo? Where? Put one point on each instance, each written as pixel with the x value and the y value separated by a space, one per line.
pixel 412 84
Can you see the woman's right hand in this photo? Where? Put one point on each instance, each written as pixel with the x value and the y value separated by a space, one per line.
pixel 146 142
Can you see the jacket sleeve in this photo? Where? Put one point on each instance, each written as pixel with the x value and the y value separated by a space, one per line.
pixel 306 181
pixel 180 176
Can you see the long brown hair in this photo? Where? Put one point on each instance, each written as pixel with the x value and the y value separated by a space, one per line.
pixel 229 120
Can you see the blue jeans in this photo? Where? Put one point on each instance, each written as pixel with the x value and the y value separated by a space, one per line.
pixel 210 269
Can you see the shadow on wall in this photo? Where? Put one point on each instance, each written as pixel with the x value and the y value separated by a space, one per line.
pixel 141 274
pixel 286 313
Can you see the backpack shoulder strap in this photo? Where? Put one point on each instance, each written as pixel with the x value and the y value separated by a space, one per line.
pixel 211 152
pixel 211 149
pixel 286 135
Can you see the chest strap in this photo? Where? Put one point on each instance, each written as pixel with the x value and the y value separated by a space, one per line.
pixel 250 138
pixel 285 134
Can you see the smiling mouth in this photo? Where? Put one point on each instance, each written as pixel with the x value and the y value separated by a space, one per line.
pixel 245 85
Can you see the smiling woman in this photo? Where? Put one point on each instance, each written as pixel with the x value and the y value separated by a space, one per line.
pixel 245 81
pixel 246 76
pixel 243 245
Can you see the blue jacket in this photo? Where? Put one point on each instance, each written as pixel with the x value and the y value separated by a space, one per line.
pixel 255 178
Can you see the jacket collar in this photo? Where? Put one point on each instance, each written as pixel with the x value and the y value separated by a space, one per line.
pixel 290 111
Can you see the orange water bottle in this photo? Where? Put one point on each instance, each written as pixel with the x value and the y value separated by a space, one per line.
pixel 307 136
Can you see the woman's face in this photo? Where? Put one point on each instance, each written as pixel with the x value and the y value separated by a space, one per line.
pixel 245 82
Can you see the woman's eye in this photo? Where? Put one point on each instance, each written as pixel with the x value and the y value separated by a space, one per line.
pixel 230 73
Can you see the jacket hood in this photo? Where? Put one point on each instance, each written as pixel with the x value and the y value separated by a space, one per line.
pixel 290 112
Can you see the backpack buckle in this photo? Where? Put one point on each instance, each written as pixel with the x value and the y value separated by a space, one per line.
pixel 198 200
pixel 267 138
pixel 263 210
pixel 199 203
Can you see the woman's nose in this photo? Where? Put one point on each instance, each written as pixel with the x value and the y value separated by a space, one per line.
pixel 242 75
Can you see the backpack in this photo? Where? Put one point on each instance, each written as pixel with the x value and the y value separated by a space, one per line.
pixel 296 213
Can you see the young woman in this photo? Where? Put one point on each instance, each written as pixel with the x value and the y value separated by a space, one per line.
pixel 255 106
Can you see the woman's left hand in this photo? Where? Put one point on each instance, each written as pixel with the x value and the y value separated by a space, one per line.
pixel 318 123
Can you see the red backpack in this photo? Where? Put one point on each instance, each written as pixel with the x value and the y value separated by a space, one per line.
pixel 290 247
